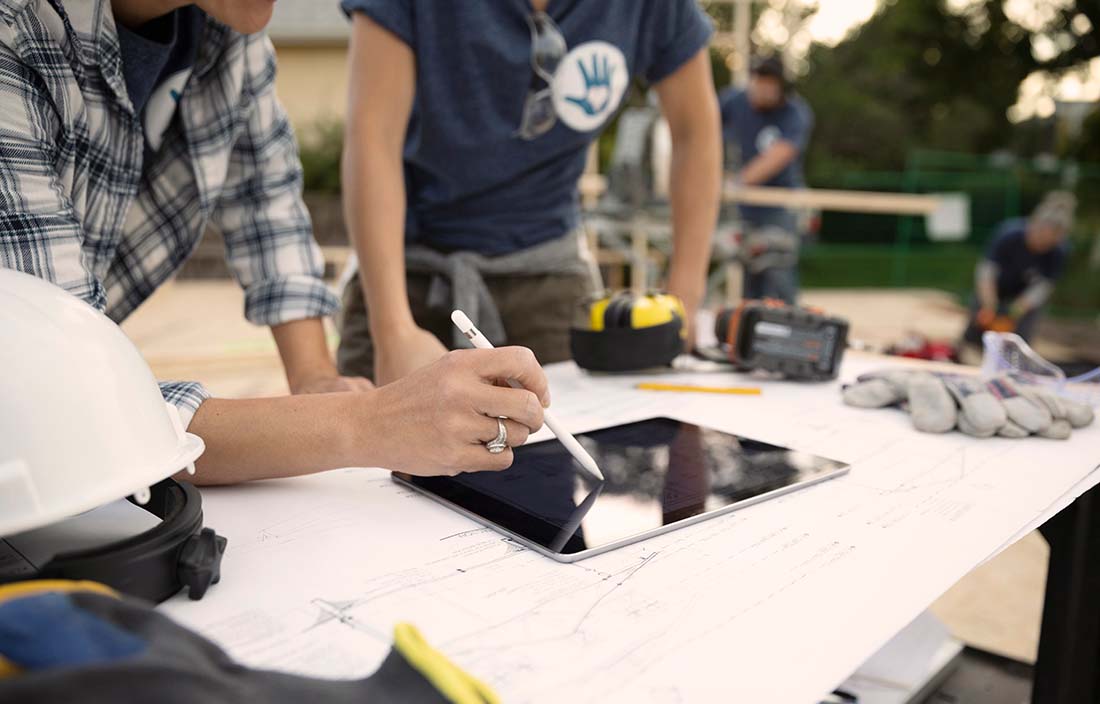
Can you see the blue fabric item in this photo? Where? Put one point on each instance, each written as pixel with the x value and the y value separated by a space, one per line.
pixel 158 49
pixel 774 217
pixel 1017 266
pixel 76 637
pixel 472 184
pixel 754 131
pixel 157 660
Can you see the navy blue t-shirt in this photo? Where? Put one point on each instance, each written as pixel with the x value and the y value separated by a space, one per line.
pixel 1017 266
pixel 156 62
pixel 472 183
pixel 754 131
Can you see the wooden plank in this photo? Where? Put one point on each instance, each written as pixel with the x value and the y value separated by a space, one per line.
pixel 593 185
pixel 825 199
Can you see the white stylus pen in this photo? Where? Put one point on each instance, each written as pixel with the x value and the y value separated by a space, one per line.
pixel 466 326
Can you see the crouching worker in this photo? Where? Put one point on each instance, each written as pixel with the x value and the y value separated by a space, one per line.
pixel 1015 278
pixel 128 125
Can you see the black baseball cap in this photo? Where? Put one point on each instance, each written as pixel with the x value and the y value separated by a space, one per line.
pixel 769 66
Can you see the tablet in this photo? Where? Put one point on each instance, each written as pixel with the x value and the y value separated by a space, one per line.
pixel 660 474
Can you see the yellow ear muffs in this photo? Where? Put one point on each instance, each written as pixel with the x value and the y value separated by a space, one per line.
pixel 627 332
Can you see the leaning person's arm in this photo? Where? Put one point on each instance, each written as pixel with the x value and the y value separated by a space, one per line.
pixel 380 100
pixel 689 104
pixel 985 284
pixel 268 235
pixel 308 363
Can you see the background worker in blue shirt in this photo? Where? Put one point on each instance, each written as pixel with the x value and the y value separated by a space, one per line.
pixel 1015 278
pixel 468 128
pixel 770 126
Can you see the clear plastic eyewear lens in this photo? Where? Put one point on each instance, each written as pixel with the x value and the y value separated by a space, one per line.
pixel 547 45
pixel 538 115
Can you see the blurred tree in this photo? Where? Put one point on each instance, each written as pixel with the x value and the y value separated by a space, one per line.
pixel 320 148
pixel 1087 147
pixel 940 75
pixel 1037 135
pixel 916 74
pixel 1071 35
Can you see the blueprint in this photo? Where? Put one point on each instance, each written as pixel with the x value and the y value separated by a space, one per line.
pixel 778 602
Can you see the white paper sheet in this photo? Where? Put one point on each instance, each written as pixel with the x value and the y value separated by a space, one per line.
pixel 778 602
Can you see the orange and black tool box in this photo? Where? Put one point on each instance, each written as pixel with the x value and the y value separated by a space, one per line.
pixel 799 343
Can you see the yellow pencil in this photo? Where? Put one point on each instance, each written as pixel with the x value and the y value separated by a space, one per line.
pixel 737 390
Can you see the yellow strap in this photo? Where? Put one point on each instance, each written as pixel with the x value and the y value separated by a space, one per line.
pixel 17 590
pixel 455 684
pixel 7 668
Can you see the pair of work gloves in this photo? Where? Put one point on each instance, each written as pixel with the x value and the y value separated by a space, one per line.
pixel 1007 406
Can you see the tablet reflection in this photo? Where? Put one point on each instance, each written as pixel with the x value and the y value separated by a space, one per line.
pixel 658 472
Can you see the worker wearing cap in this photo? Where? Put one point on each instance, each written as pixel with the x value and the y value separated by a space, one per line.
pixel 467 132
pixel 128 126
pixel 1016 277
pixel 770 126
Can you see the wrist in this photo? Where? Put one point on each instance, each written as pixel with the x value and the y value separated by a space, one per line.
pixel 303 373
pixel 690 294
pixel 391 322
pixel 364 432
pixel 355 431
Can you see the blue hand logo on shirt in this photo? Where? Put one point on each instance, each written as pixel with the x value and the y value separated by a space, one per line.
pixel 597 85
pixel 589 84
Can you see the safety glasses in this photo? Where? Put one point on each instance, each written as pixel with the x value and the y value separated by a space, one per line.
pixel 547 51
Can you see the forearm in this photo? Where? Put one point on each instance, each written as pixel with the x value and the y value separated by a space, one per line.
pixel 766 165
pixel 380 100
pixel 434 422
pixel 266 438
pixel 304 351
pixel 985 284
pixel 376 221
pixel 696 177
pixel 1034 296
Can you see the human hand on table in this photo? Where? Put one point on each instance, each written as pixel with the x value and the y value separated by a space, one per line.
pixel 436 420
pixel 1005 406
pixel 400 353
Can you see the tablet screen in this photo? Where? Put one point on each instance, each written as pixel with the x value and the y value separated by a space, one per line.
pixel 658 472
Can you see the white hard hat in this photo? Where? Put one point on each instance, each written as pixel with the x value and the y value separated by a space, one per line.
pixel 82 420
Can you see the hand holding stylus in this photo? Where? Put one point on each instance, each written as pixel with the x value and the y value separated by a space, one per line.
pixel 466 326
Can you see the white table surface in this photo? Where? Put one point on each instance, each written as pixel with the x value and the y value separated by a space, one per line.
pixel 778 602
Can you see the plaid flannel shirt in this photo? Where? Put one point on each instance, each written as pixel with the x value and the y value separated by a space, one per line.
pixel 79 208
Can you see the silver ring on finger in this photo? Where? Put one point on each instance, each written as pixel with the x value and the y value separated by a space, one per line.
pixel 498 444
